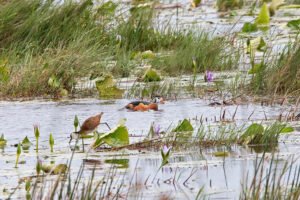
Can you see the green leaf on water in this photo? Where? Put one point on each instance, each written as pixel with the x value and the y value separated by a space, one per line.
pixel 116 137
pixel 220 154
pixel 26 142
pixel 287 129
pixel 249 27
pixel 252 131
pixel 150 76
pixel 263 17
pixel 107 88
pixel 2 140
pixel 185 125
pixel 294 24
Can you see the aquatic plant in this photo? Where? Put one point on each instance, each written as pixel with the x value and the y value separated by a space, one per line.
pixel 51 141
pixel 115 137
pixel 151 75
pixel 2 140
pixel 37 135
pixel 27 188
pixel 76 122
pixel 165 154
pixel 18 154
pixel 156 129
pixel 263 17
pixel 208 77
pixel 272 179
pixel 38 167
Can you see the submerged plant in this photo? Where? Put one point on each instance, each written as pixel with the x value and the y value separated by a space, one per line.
pixel 18 154
pixel 37 135
pixel 51 141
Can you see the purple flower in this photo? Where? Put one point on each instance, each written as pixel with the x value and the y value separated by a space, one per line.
pixel 156 129
pixel 166 150
pixel 208 77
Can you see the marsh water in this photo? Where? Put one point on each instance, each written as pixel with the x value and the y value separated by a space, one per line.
pixel 193 167
pixel 221 177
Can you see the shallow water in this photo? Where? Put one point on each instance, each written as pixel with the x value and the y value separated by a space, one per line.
pixel 221 177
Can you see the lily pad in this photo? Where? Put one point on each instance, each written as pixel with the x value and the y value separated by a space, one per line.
pixel 107 88
pixel 116 137
pixel 185 125
pixel 220 154
pixel 123 163
pixel 252 131
pixel 249 27
pixel 263 17
pixel 150 76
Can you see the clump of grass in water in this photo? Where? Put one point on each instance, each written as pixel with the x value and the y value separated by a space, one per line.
pixel 18 154
pixel 277 180
pixel 280 75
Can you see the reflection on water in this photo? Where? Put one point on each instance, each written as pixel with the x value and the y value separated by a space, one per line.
pixel 192 167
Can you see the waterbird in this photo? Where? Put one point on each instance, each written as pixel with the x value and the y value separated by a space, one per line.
pixel 89 126
pixel 145 105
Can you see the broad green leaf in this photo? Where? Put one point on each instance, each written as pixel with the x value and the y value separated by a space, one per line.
pixel 252 131
pixel 148 54
pixel 287 129
pixel 150 76
pixel 294 24
pixel 185 125
pixel 116 137
pixel 26 142
pixel 107 88
pixel 249 27
pixel 263 17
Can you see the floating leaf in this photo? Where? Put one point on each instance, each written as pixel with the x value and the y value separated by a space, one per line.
pixel 287 129
pixel 26 142
pixel 251 132
pixel 116 137
pixel 263 17
pixel 249 27
pixel 221 154
pixel 150 76
pixel 107 88
pixel 185 125
pixel 294 24
pixel 122 162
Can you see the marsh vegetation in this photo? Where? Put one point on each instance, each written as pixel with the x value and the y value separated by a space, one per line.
pixel 229 72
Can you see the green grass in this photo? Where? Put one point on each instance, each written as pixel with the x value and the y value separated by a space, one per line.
pixel 46 48
pixel 279 75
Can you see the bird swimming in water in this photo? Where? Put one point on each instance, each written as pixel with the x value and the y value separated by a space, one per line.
pixel 145 105
pixel 89 126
